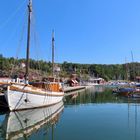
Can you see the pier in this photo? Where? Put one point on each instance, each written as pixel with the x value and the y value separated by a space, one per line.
pixel 68 90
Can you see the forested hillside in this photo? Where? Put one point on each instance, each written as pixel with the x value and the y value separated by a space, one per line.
pixel 11 66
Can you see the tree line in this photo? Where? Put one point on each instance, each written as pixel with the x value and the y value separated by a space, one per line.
pixel 127 71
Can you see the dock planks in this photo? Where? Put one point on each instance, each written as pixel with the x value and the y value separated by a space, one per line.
pixel 70 89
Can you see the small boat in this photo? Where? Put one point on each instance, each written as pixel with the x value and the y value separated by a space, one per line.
pixel 22 95
pixel 136 95
pixel 127 92
pixel 137 84
pixel 4 80
pixel 21 124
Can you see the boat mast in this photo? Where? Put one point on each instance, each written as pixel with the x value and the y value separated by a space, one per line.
pixel 53 53
pixel 28 40
pixel 133 66
pixel 126 66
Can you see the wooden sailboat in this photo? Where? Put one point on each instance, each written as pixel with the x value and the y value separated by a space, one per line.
pixel 21 96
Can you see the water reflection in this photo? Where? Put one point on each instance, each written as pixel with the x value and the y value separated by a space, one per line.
pixel 97 94
pixel 101 115
pixel 91 95
pixel 22 124
pixel 94 113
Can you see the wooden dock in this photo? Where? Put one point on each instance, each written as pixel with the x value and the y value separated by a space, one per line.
pixel 74 92
pixel 71 89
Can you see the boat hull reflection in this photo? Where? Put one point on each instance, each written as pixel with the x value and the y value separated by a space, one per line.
pixel 24 123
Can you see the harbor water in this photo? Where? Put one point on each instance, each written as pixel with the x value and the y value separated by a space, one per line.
pixel 91 114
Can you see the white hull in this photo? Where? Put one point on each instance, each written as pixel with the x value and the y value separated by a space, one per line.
pixel 27 98
pixel 23 123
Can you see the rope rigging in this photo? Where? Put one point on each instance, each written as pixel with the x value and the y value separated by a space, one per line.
pixel 36 42
pixel 9 18
pixel 34 38
pixel 19 45
pixel 11 33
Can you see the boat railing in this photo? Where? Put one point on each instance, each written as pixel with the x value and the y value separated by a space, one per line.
pixel 50 86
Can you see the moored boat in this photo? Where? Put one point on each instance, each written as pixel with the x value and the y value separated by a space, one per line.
pixel 22 95
pixel 127 92
pixel 136 95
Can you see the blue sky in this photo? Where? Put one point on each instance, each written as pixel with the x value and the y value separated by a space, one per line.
pixel 86 31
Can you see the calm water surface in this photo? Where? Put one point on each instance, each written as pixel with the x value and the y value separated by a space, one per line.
pixel 94 114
